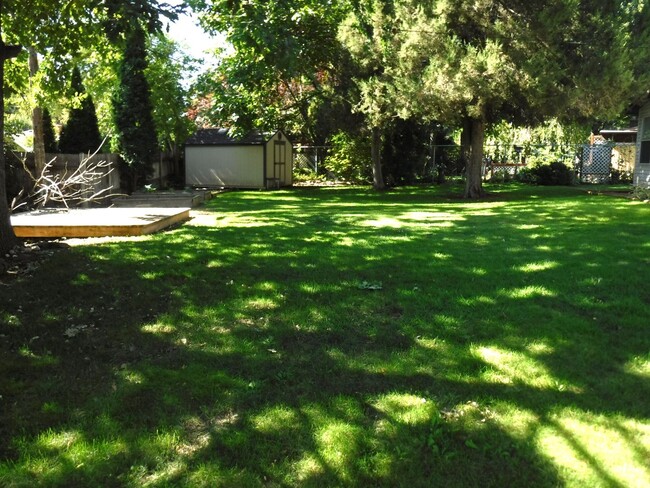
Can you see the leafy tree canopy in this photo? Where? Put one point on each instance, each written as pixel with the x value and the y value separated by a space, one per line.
pixel 165 73
pixel 284 63
pixel 486 61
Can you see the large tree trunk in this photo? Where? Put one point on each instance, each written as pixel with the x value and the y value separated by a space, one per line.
pixel 37 121
pixel 377 174
pixel 7 237
pixel 466 142
pixel 474 182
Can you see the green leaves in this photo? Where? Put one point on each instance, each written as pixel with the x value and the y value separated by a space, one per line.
pixel 280 71
pixel 488 59
pixel 165 73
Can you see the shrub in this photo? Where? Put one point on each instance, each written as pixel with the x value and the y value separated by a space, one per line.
pixel 502 175
pixel 621 176
pixel 555 173
pixel 527 175
pixel 305 175
pixel 349 158
pixel 641 193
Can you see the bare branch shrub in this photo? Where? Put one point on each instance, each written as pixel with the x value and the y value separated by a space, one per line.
pixel 66 189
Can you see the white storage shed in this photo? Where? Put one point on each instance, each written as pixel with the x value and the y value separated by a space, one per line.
pixel 642 166
pixel 214 159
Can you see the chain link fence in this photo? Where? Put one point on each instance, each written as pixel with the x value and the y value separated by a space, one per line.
pixel 309 158
pixel 601 162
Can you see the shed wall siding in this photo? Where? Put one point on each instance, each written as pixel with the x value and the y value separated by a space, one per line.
pixel 224 166
pixel 642 170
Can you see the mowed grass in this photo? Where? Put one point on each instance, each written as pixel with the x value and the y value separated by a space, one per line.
pixel 340 337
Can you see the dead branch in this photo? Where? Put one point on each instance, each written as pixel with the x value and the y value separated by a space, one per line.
pixel 74 189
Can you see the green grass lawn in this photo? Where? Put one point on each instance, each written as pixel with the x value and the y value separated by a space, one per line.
pixel 340 337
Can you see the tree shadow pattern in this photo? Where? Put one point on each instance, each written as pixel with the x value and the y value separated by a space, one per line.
pixel 247 352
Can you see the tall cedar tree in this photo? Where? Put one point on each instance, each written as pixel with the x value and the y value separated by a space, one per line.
pixel 81 133
pixel 49 136
pixel 133 111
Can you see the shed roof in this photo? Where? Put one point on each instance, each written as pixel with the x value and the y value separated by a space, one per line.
pixel 631 130
pixel 221 137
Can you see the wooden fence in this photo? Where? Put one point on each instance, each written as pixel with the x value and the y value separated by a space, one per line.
pixel 107 184
pixel 64 165
pixel 61 166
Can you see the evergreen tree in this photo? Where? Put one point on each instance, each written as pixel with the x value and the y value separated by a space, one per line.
pixel 81 132
pixel 473 64
pixel 49 137
pixel 132 111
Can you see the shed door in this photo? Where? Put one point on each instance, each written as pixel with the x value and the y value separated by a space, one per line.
pixel 280 161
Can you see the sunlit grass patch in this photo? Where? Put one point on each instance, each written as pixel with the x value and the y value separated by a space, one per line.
pixel 209 475
pixel 159 328
pixel 441 255
pixel 596 450
pixel 276 419
pixel 539 348
pixel 520 422
pixel 639 366
pixel 477 301
pixel 513 367
pixel 406 408
pixel 55 455
pixel 59 440
pixel 528 292
pixel 262 303
pixel 338 446
pixel 308 468
pixel 538 266
pixel 383 222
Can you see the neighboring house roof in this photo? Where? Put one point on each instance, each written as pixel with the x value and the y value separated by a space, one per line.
pixel 221 137
pixel 620 135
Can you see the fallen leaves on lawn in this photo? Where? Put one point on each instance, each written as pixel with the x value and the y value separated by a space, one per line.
pixel 368 285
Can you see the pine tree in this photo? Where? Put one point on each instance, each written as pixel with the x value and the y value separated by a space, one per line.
pixel 81 132
pixel 49 136
pixel 132 111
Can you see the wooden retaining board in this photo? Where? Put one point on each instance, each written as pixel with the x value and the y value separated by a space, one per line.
pixel 96 222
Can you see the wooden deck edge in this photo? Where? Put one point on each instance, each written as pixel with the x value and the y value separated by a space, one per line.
pixel 166 222
pixel 77 231
pixel 44 231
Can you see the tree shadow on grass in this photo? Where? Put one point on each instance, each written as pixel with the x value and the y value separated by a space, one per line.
pixel 252 355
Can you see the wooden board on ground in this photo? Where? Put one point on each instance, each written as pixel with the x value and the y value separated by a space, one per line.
pixel 96 222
